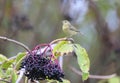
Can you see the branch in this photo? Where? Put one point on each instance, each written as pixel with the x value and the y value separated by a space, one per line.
pixel 16 42
pixel 61 62
pixel 22 71
pixel 62 39
pixel 93 76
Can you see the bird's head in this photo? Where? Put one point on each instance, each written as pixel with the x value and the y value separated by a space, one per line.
pixel 65 22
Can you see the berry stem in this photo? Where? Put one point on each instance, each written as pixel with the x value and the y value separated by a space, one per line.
pixel 62 39
pixel 53 54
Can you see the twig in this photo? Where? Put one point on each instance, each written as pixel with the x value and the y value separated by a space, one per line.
pixel 37 81
pixel 62 39
pixel 16 42
pixel 22 71
pixel 93 76
pixel 61 61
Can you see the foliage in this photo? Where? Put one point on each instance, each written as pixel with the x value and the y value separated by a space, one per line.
pixel 7 67
pixel 64 47
pixel 100 23
pixel 41 65
pixel 114 80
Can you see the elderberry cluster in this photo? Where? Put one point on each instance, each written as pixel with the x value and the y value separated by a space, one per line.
pixel 41 67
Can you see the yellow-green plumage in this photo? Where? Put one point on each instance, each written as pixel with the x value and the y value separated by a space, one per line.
pixel 69 29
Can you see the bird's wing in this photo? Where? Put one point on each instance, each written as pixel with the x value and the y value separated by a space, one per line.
pixel 73 29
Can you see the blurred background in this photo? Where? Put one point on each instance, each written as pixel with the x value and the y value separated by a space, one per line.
pixel 39 21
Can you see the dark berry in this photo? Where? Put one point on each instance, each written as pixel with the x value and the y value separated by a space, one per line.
pixel 41 67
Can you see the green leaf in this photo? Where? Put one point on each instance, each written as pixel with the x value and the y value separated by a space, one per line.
pixel 83 60
pixel 17 65
pixel 62 48
pixel 85 76
pixel 66 48
pixel 19 56
pixel 65 81
pixel 9 71
pixel 6 73
pixel 59 45
pixel 7 64
pixel 1 72
pixel 114 80
pixel 2 58
pixel 14 77
pixel 51 81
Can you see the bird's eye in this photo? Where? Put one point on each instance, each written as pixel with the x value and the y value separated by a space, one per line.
pixel 65 21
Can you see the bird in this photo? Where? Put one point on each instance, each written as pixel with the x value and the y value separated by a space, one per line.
pixel 69 29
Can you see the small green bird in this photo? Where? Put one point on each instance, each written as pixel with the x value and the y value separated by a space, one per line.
pixel 69 29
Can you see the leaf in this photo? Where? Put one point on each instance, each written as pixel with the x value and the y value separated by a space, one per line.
pixel 114 80
pixel 9 71
pixel 66 48
pixel 6 73
pixel 83 60
pixel 51 81
pixel 19 56
pixel 3 58
pixel 17 65
pixel 14 77
pixel 9 75
pixel 59 45
pixel 63 47
pixel 7 64
pixel 85 76
pixel 65 81
pixel 1 72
